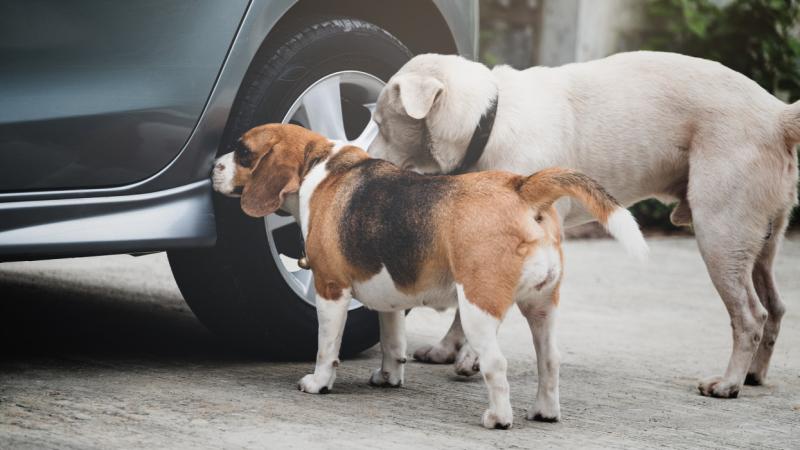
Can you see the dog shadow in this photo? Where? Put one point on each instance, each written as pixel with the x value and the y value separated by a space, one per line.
pixel 48 316
pixel 47 319
pixel 45 316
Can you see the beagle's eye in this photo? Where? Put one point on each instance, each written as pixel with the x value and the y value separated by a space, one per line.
pixel 242 155
pixel 539 218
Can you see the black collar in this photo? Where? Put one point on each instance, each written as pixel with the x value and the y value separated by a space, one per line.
pixel 479 139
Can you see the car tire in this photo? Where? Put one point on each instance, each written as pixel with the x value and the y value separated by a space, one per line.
pixel 236 288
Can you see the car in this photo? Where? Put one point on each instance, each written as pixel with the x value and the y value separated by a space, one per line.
pixel 112 112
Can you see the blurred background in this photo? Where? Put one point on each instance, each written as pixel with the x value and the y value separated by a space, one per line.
pixel 759 38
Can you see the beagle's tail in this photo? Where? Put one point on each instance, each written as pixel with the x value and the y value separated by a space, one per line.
pixel 543 188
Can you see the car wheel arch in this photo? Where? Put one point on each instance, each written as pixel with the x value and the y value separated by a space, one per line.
pixel 419 24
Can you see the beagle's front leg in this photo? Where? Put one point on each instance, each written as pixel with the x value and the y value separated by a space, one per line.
pixel 331 315
pixel 393 346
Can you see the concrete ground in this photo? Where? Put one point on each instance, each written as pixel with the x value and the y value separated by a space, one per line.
pixel 102 352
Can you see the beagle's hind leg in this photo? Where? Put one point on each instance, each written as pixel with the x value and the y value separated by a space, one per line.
pixel 480 327
pixel 541 316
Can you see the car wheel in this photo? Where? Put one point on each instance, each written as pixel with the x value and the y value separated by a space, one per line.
pixel 248 288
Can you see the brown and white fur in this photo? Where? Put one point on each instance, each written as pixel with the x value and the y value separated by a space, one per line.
pixel 643 124
pixel 396 239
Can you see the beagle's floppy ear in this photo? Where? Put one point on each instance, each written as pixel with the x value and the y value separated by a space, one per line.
pixel 417 93
pixel 270 183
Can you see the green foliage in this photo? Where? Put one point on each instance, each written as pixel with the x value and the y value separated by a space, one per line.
pixel 488 57
pixel 653 215
pixel 755 37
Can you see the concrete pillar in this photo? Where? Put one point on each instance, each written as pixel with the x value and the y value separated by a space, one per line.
pixel 582 30
pixel 558 32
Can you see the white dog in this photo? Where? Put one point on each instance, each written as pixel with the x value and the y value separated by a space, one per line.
pixel 644 125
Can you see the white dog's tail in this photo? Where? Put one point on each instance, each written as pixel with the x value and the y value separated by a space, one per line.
pixel 545 187
pixel 790 120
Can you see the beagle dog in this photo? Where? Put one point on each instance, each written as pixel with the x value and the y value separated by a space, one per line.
pixel 395 239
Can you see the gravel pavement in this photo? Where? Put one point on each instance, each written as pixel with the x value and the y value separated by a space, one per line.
pixel 102 352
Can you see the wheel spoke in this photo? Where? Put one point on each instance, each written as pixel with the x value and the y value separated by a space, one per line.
pixel 306 279
pixel 370 131
pixel 367 136
pixel 275 221
pixel 299 117
pixel 323 106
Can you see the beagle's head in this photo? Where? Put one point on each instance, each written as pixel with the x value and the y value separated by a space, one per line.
pixel 268 164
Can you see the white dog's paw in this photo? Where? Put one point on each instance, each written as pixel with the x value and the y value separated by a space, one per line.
pixel 542 412
pixel 436 354
pixel 384 378
pixel 497 420
pixel 311 385
pixel 467 363
pixel 719 387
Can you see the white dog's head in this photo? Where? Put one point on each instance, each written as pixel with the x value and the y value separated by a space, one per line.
pixel 428 111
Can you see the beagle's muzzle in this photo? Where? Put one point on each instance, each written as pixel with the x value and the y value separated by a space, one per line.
pixel 396 239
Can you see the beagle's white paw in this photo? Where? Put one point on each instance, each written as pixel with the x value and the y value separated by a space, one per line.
pixel 312 385
pixel 544 412
pixel 497 420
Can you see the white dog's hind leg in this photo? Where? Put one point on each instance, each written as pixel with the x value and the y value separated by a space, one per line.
pixel 445 351
pixel 481 331
pixel 735 217
pixel 730 237
pixel 452 348
pixel 467 363
pixel 541 317
pixel 767 291
pixel 332 315
pixel 393 346
pixel 730 269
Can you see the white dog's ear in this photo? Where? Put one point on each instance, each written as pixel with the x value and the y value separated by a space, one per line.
pixel 417 93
